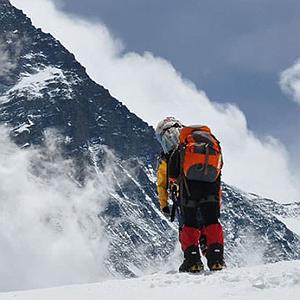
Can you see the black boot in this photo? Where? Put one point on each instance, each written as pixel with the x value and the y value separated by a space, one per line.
pixel 215 257
pixel 192 261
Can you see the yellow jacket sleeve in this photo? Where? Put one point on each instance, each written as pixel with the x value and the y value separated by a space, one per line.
pixel 162 186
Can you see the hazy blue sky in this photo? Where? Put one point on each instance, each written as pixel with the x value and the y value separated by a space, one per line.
pixel 234 50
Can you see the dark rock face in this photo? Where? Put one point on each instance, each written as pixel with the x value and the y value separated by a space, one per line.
pixel 55 91
pixel 43 86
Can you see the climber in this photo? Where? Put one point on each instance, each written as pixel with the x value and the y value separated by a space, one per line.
pixel 189 167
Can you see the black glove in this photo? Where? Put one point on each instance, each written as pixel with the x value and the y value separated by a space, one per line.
pixel 166 212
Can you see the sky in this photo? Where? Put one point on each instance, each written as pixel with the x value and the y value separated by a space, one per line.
pixel 234 50
pixel 153 70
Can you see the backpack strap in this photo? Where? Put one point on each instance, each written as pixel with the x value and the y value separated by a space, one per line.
pixel 206 159
pixel 182 178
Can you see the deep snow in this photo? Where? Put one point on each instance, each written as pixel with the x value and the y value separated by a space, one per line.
pixel 273 281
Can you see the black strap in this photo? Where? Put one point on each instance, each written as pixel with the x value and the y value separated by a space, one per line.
pixel 206 158
pixel 182 178
pixel 173 211
pixel 174 206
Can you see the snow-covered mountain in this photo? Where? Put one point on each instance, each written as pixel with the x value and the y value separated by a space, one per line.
pixel 256 230
pixel 45 87
pixel 42 87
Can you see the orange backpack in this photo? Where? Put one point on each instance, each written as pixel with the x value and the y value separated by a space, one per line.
pixel 201 156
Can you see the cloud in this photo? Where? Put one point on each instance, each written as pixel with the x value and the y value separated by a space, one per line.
pixel 50 230
pixel 152 88
pixel 290 81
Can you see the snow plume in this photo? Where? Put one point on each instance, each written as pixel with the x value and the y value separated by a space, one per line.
pixel 6 64
pixel 9 56
pixel 50 230
pixel 152 88
pixel 248 250
pixel 290 81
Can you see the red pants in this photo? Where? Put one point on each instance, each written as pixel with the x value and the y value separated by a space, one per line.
pixel 198 221
pixel 190 236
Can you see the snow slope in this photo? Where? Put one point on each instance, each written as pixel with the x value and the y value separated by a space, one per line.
pixel 272 281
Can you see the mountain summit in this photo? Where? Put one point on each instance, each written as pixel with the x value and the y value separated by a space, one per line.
pixel 45 75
